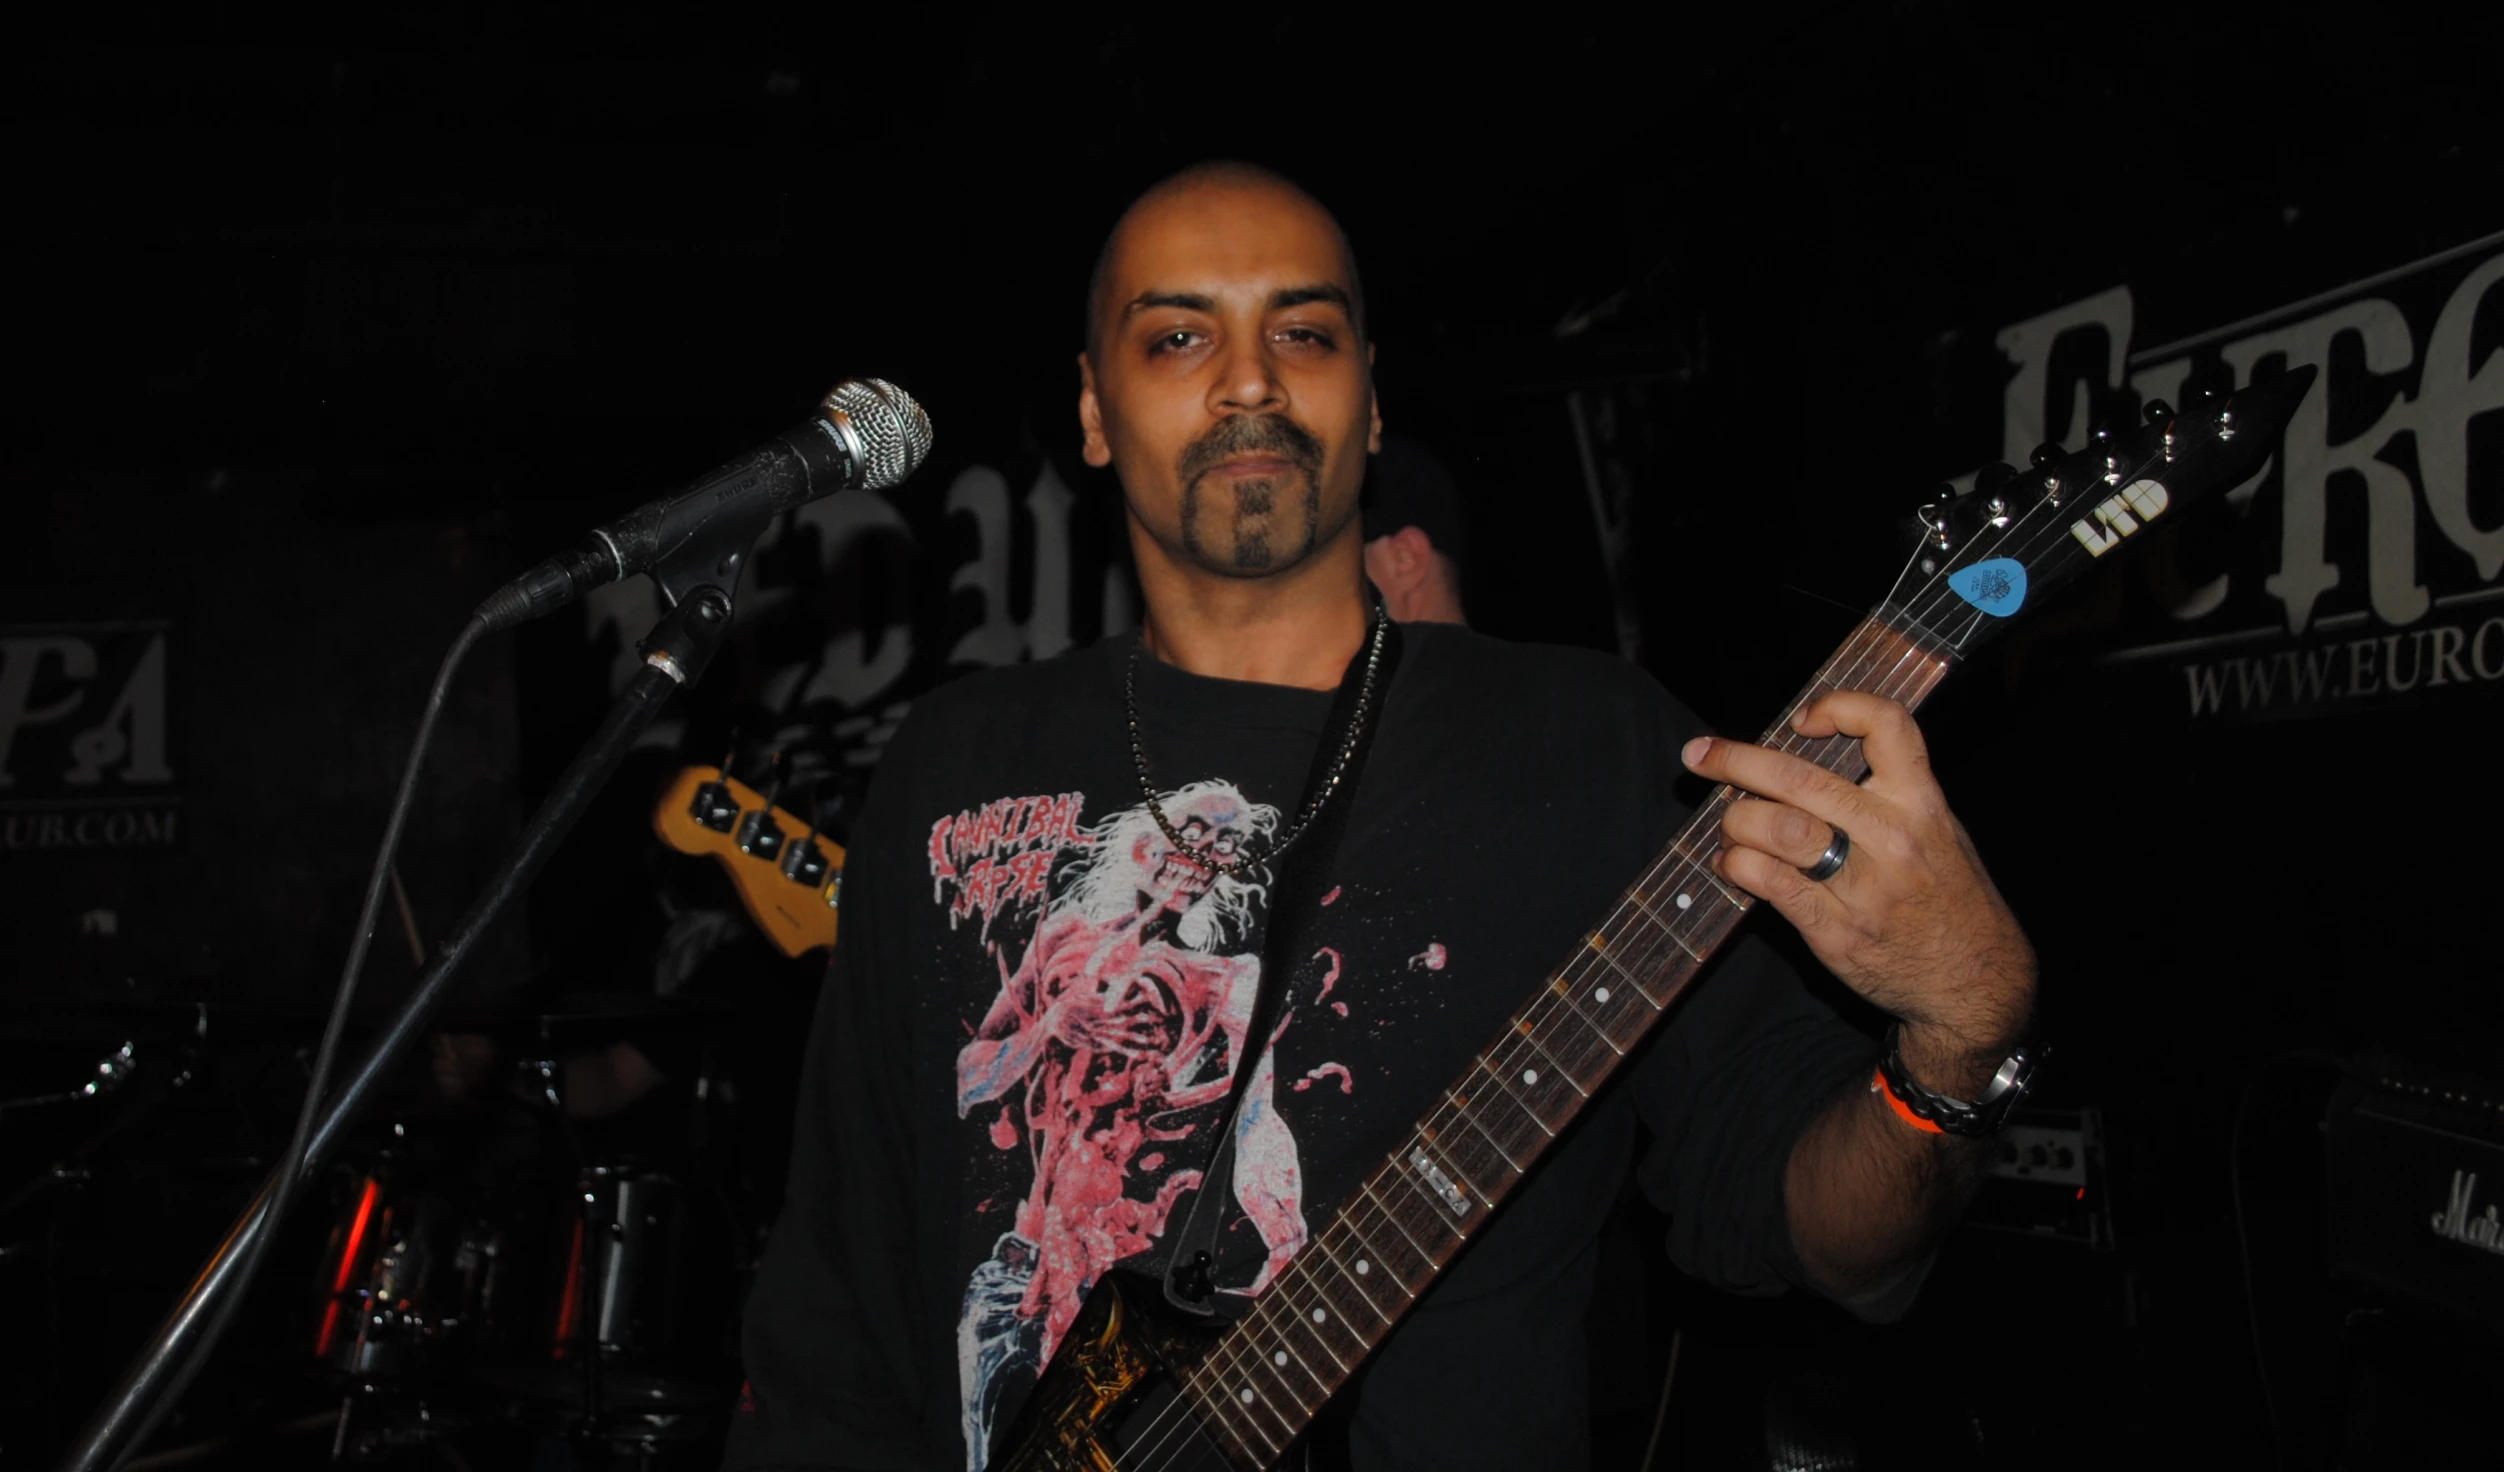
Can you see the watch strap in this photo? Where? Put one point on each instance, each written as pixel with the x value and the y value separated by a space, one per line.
pixel 1938 1113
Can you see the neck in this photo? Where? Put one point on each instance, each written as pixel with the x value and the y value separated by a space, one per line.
pixel 1299 627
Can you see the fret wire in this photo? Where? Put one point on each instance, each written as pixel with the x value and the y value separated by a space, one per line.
pixel 1221 1409
pixel 1500 1152
pixel 1563 991
pixel 1229 1378
pixel 1397 1262
pixel 1518 1158
pixel 1276 1299
pixel 1512 1056
pixel 1503 1057
pixel 1386 1177
pixel 1581 973
pixel 1558 1029
pixel 1486 1066
pixel 1254 1343
pixel 1356 1285
pixel 1561 1069
pixel 1644 985
pixel 1368 1255
pixel 1322 1284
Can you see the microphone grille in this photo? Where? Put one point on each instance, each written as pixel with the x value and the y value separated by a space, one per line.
pixel 894 433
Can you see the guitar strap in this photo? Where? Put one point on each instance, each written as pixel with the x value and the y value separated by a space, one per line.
pixel 1295 901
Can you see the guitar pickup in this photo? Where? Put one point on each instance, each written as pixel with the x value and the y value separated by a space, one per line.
pixel 714 807
pixel 804 863
pixel 760 836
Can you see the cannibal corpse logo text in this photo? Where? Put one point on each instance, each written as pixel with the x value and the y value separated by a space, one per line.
pixel 1001 853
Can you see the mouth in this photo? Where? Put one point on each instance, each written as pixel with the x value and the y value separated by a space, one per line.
pixel 1257 465
pixel 1180 877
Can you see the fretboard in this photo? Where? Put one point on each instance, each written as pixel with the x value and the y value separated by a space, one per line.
pixel 1262 1383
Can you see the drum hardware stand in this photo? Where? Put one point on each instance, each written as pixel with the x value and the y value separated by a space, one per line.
pixel 676 653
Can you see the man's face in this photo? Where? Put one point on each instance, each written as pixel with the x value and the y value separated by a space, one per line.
pixel 1227 383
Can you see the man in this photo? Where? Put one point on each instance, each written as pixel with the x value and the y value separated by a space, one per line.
pixel 1054 912
pixel 1413 534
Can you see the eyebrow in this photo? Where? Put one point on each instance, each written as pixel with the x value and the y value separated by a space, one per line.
pixel 1279 300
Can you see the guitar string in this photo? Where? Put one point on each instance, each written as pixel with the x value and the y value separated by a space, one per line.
pixel 1854 676
pixel 1229 1356
pixel 1229 1352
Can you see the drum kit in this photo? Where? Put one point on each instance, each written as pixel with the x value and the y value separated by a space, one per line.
pixel 474 1296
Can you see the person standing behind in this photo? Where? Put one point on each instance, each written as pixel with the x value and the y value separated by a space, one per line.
pixel 1415 537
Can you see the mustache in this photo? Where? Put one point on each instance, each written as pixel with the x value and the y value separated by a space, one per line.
pixel 1252 434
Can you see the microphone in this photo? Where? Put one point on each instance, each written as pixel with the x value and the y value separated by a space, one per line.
pixel 867 434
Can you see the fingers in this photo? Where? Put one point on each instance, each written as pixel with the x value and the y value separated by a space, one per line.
pixel 1778 775
pixel 1808 905
pixel 1890 737
pixel 1785 832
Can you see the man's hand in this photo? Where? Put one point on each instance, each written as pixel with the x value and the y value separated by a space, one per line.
pixel 1910 921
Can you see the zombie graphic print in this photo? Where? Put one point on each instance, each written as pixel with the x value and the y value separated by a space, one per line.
pixel 1108 1053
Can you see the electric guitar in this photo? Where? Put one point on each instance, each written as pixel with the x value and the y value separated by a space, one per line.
pixel 789 879
pixel 1136 1387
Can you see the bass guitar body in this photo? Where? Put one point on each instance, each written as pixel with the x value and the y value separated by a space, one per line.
pixel 1114 1397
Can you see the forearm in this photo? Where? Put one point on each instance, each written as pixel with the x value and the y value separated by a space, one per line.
pixel 1867 1194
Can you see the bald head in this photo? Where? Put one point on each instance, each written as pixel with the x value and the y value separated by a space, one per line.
pixel 1249 185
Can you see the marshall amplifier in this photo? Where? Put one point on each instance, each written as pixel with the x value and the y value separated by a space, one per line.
pixel 2416 1158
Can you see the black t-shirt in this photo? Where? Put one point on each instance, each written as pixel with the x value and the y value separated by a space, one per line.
pixel 1030 1024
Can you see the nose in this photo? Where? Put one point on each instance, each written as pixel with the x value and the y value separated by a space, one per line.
pixel 1247 378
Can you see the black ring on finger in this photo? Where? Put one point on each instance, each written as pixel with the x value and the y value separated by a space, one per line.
pixel 1839 849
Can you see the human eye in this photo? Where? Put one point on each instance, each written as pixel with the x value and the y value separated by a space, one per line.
pixel 1308 335
pixel 1173 340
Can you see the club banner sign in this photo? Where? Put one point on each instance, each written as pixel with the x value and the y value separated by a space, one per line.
pixel 2358 569
pixel 86 758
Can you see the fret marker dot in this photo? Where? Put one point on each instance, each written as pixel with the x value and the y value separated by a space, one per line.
pixel 1319 1317
pixel 1601 994
pixel 1363 1267
pixel 1530 1075
pixel 1279 1358
pixel 1247 1395
pixel 1685 900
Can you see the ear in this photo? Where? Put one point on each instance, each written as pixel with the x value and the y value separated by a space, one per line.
pixel 1373 435
pixel 1092 447
pixel 1397 561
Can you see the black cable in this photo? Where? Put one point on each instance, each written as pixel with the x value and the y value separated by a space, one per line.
pixel 326 1057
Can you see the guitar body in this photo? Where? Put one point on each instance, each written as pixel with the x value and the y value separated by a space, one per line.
pixel 1112 1399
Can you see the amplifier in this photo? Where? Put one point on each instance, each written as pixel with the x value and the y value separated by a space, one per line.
pixel 2416 1171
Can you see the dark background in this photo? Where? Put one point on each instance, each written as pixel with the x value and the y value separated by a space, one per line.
pixel 328 323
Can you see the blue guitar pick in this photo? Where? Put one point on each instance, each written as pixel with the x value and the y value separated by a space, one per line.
pixel 1997 587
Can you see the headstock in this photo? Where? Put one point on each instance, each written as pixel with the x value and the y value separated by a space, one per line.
pixel 787 876
pixel 2022 534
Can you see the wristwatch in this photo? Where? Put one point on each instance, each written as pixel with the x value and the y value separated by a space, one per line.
pixel 1940 1115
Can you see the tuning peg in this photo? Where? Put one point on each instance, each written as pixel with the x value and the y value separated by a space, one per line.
pixel 2045 453
pixel 1991 477
pixel 2158 411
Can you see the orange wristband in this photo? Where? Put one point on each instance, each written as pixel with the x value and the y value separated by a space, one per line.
pixel 1878 1086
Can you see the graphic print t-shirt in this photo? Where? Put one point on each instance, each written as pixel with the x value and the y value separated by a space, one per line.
pixel 1036 1011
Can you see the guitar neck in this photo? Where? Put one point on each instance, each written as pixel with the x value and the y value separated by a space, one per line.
pixel 1263 1382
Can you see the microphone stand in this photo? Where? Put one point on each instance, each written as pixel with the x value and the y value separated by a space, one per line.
pixel 693 579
